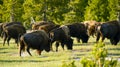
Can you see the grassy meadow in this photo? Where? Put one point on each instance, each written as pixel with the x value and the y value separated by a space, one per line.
pixel 9 56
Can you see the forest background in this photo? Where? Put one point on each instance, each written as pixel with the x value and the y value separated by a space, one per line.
pixel 58 11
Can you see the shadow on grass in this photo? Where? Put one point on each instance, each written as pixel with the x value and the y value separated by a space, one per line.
pixel 113 48
pixel 114 54
pixel 3 52
pixel 86 44
pixel 3 48
pixel 23 61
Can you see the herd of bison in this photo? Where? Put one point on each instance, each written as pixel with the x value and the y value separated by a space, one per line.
pixel 44 33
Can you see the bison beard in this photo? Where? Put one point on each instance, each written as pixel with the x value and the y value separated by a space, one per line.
pixel 38 40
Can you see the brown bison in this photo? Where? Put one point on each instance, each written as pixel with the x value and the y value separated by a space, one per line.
pixel 110 30
pixel 44 25
pixel 61 35
pixel 48 27
pixel 13 31
pixel 91 27
pixel 35 26
pixel 38 40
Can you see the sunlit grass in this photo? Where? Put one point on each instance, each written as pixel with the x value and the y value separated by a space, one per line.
pixel 9 56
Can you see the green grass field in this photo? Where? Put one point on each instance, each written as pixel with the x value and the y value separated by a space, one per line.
pixel 9 56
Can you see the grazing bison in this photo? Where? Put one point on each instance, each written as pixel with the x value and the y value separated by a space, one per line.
pixel 38 40
pixel 79 31
pixel 61 36
pixel 110 30
pixel 13 31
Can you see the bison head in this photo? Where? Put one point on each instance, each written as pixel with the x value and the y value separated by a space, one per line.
pixel 69 44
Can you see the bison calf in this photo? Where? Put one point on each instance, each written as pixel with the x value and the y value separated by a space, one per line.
pixel 38 40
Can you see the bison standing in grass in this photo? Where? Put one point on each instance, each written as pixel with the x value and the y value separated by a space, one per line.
pixel 60 35
pixel 110 30
pixel 13 30
pixel 38 40
pixel 79 31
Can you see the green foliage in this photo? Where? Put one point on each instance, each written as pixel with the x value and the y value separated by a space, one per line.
pixel 97 10
pixel 113 8
pixel 87 62
pixel 76 11
pixel 70 64
pixel 99 51
pixel 12 10
pixel 59 11
pixel 98 59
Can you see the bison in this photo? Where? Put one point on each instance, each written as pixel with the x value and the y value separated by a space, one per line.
pixel 60 35
pixel 1 29
pixel 13 31
pixel 3 25
pixel 38 40
pixel 91 27
pixel 79 31
pixel 48 27
pixel 110 30
pixel 36 26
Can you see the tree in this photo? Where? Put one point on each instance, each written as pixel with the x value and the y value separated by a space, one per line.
pixel 11 10
pixel 113 7
pixel 76 11
pixel 97 10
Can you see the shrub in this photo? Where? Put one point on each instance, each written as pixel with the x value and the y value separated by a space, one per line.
pixel 98 59
pixel 69 64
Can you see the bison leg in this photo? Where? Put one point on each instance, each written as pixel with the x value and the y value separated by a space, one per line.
pixel 98 37
pixel 5 38
pixel 114 41
pixel 28 50
pixel 62 44
pixel 103 38
pixel 57 45
pixel 8 40
pixel 51 47
pixel 16 41
pixel 21 48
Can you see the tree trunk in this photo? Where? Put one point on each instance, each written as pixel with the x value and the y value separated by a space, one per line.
pixel 12 18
